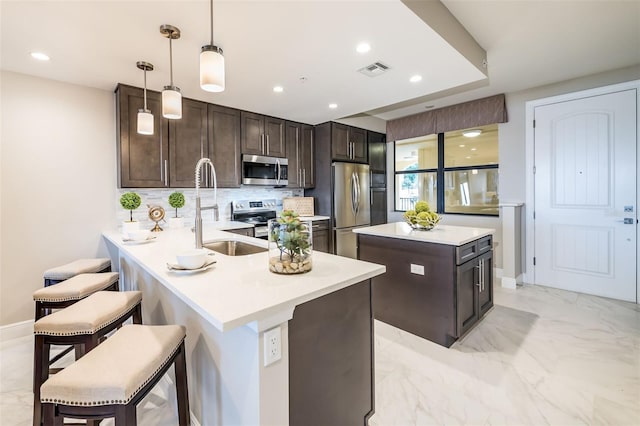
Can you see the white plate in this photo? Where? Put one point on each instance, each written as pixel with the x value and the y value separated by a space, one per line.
pixel 133 242
pixel 191 271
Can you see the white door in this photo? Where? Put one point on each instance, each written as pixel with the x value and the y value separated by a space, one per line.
pixel 585 195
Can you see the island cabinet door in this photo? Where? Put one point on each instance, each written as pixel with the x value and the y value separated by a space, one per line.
pixel 467 290
pixel 485 291
pixel 331 374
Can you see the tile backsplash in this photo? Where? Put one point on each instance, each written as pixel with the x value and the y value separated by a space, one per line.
pixel 225 196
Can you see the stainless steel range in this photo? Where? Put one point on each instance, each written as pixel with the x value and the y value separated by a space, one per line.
pixel 255 212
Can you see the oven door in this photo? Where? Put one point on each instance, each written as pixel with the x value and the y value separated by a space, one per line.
pixel 261 170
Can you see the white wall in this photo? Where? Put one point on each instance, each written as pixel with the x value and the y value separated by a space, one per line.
pixel 57 182
pixel 365 122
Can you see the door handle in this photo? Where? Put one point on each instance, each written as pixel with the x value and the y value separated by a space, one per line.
pixel 304 177
pixel 278 167
pixel 267 144
pixel 357 192
pixel 353 196
pixel 627 221
pixel 165 173
pixel 262 144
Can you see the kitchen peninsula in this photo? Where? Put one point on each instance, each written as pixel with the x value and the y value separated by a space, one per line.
pixel 325 374
pixel 438 283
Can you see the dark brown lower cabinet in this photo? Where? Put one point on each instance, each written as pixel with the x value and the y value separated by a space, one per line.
pixel 331 376
pixel 321 236
pixel 441 305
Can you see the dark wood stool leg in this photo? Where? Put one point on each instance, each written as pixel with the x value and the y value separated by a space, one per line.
pixel 40 374
pixel 50 418
pixel 137 314
pixel 126 415
pixel 182 391
pixel 39 311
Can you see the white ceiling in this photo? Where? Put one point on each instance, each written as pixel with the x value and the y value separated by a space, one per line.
pixel 528 43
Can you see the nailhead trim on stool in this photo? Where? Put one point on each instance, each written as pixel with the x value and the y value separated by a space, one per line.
pixel 80 266
pixel 113 378
pixel 83 324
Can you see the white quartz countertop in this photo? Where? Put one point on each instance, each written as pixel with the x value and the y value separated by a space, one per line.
pixel 441 234
pixel 314 218
pixel 239 290
pixel 226 225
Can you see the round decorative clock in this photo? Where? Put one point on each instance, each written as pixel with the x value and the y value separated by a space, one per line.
pixel 156 213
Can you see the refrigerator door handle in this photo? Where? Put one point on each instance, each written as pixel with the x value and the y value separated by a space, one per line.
pixel 353 193
pixel 357 192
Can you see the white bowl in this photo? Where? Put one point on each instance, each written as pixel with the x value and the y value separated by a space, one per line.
pixel 138 234
pixel 192 259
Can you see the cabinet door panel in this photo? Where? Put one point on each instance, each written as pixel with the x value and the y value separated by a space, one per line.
pixel 141 158
pixel 485 296
pixel 321 240
pixel 377 152
pixel 378 206
pixel 358 138
pixel 274 132
pixel 339 141
pixel 292 136
pixel 467 296
pixel 224 145
pixel 252 133
pixel 187 143
pixel 307 156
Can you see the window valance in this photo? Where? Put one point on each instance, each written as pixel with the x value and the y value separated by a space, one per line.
pixel 479 112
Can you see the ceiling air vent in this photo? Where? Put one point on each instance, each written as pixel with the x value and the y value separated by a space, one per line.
pixel 374 69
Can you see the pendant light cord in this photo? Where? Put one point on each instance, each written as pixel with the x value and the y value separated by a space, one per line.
pixel 171 57
pixel 211 14
pixel 145 89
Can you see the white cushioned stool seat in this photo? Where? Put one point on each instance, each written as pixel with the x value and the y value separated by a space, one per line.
pixel 76 288
pixel 80 266
pixel 88 315
pixel 117 369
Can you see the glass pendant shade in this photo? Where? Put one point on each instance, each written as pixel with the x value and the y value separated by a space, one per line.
pixel 145 122
pixel 212 69
pixel 171 103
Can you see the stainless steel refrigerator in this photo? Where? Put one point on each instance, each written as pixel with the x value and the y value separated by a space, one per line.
pixel 351 205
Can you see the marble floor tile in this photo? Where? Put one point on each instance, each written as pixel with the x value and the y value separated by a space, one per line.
pixel 541 356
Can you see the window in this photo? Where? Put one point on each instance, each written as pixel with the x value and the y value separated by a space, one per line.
pixel 452 172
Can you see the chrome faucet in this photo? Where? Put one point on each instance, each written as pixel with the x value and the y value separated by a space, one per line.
pixel 214 207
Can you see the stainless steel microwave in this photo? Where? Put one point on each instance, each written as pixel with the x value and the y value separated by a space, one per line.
pixel 261 170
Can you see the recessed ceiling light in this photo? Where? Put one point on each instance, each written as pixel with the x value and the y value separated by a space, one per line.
pixel 468 157
pixel 333 106
pixel 39 56
pixel 471 133
pixel 415 78
pixel 473 149
pixel 278 89
pixel 363 48
pixel 461 146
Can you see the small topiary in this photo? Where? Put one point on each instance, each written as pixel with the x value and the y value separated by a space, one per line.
pixel 130 201
pixel 176 200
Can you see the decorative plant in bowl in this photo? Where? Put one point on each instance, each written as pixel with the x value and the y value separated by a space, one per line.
pixel 289 244
pixel 130 201
pixel 176 200
pixel 422 218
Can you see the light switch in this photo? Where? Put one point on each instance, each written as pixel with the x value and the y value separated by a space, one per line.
pixel 417 269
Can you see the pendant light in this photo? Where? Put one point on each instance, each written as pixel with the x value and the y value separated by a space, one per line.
pixel 171 97
pixel 145 118
pixel 211 64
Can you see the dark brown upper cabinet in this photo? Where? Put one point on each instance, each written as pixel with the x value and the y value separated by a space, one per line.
pixel 348 143
pixel 262 135
pixel 301 170
pixel 224 145
pixel 143 160
pixel 187 143
pixel 377 144
pixel 167 159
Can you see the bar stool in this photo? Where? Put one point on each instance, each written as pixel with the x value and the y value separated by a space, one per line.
pixel 80 266
pixel 83 324
pixel 71 290
pixel 113 378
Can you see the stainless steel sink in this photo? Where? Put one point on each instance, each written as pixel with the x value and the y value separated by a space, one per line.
pixel 233 247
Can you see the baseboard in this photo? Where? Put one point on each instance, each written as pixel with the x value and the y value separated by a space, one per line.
pixel 16 330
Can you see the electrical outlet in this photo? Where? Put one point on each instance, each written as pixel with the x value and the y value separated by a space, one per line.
pixel 417 269
pixel 272 346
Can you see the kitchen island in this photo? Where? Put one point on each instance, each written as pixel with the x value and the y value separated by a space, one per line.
pixel 323 319
pixel 438 283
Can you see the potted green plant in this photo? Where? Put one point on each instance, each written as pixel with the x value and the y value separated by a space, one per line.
pixel 130 201
pixel 290 244
pixel 176 200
